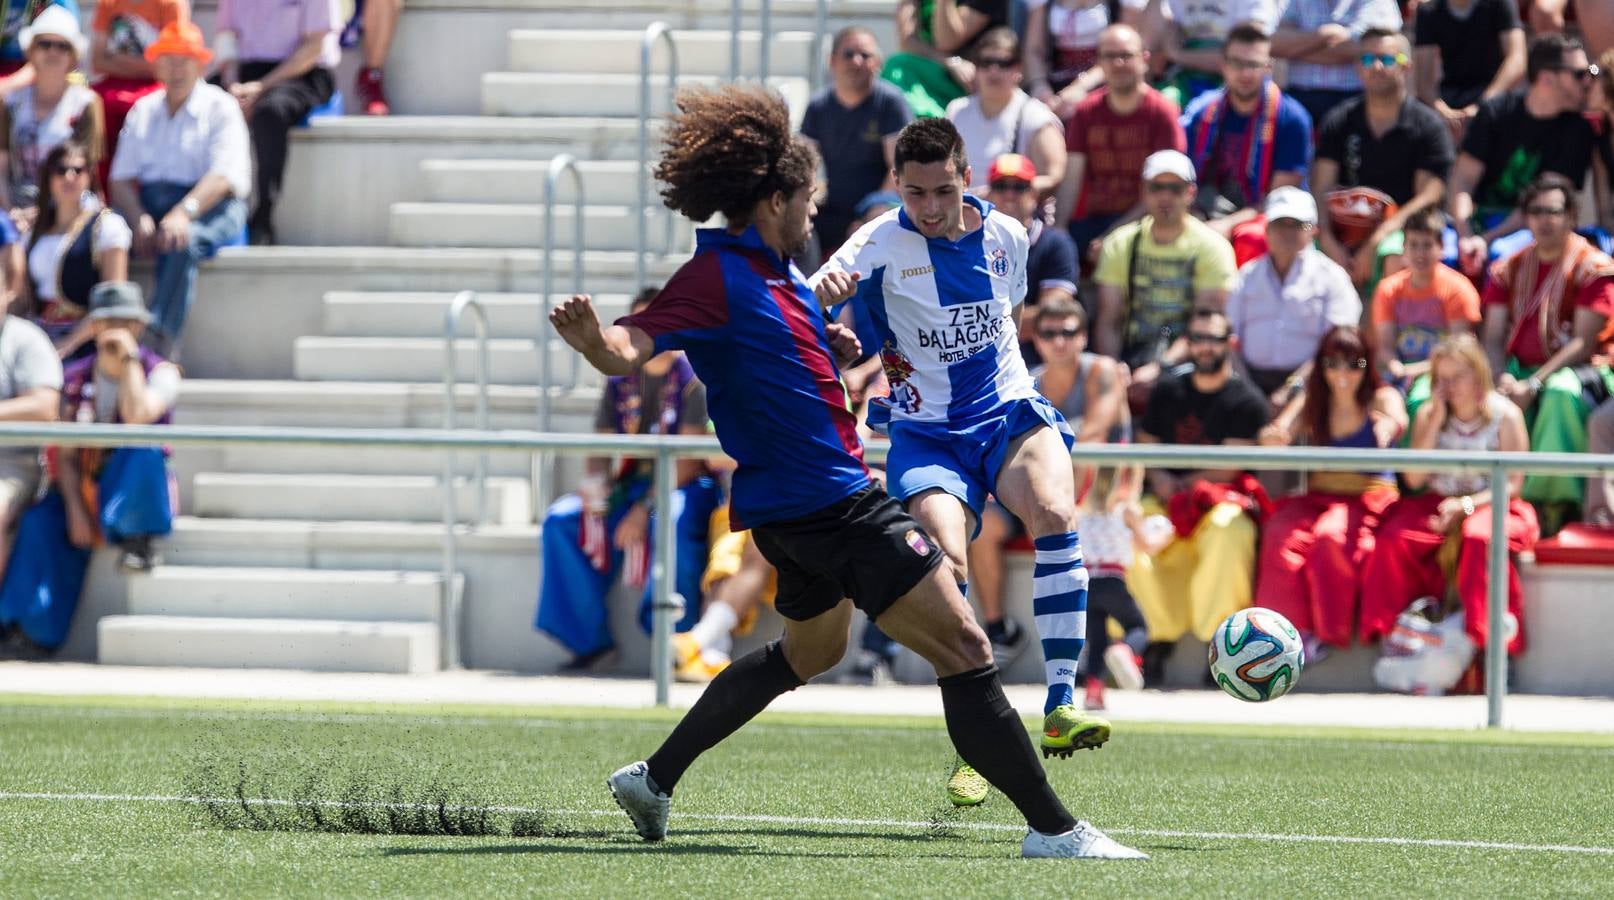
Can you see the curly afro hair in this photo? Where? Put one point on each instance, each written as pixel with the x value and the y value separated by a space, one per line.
pixel 729 148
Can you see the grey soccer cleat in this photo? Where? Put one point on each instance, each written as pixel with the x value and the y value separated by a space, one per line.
pixel 1082 842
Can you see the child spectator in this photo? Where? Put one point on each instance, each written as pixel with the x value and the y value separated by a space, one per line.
pixel 119 36
pixel 1315 544
pixel 1414 309
pixel 38 116
pixel 1463 413
pixel 75 245
pixel 131 487
pixel 1112 524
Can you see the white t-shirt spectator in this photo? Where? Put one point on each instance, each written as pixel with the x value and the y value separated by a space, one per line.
pixel 1010 132
pixel 1281 322
pixel 208 134
pixel 111 234
pixel 28 361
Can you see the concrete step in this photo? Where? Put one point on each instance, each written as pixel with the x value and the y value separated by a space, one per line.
pixel 420 313
pixel 522 225
pixel 605 182
pixel 258 593
pixel 616 96
pixel 510 361
pixel 343 173
pixel 356 404
pixel 241 283
pixel 343 461
pixel 328 645
pixel 618 52
pixel 355 498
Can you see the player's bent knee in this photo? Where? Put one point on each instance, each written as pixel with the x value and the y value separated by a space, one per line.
pixel 811 659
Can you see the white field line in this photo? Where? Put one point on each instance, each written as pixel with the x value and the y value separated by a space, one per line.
pixel 540 723
pixel 897 824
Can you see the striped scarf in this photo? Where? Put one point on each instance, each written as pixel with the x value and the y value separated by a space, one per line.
pixel 1258 139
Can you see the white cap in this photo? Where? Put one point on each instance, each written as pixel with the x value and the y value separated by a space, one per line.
pixel 1289 202
pixel 1168 162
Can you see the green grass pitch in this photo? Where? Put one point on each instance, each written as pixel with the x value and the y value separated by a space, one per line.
pixel 353 800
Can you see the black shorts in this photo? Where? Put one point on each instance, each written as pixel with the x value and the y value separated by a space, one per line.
pixel 864 547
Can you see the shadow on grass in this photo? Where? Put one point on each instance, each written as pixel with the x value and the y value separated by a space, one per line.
pixel 620 846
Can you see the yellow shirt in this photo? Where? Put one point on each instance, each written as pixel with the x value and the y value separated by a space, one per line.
pixel 1165 278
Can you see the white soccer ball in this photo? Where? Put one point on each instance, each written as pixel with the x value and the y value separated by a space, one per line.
pixel 1256 655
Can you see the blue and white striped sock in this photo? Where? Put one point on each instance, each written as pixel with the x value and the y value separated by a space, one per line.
pixel 1059 601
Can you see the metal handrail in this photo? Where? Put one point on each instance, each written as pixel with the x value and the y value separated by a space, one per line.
pixel 666 448
pixel 451 599
pixel 653 32
pixel 560 165
pixel 815 73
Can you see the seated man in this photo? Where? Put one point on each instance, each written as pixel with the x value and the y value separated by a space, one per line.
pixel 1288 299
pixel 1414 309
pixel 1468 51
pixel 1245 139
pixel 1381 157
pixel 1208 571
pixel 1086 388
pixel 119 35
pixel 1322 39
pixel 604 530
pixel 287 67
pixel 1547 311
pixel 181 174
pixel 121 383
pixel 1196 41
pixel 1154 272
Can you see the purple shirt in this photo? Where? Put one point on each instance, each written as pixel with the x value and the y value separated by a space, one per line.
pixel 271 30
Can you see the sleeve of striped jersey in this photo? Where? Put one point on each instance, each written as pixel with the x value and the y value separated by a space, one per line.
pixel 694 299
pixel 1020 256
pixel 860 255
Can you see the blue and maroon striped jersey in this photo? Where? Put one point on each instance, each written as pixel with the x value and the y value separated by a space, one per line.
pixel 755 336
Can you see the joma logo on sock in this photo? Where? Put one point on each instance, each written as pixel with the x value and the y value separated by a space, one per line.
pixel 1063 671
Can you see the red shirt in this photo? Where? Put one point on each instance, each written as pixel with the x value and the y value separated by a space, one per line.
pixel 1116 146
pixel 1596 295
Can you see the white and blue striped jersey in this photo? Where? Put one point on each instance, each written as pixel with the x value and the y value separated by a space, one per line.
pixel 944 313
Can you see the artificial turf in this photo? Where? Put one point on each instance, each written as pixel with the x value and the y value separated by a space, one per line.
pixel 458 801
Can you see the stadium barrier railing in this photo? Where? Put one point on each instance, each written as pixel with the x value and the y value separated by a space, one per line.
pixel 666 448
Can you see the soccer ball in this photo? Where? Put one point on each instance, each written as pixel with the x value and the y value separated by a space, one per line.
pixel 1256 655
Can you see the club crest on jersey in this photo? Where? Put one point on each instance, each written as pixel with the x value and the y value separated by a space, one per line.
pixel 916 542
pixel 898 369
pixel 1000 262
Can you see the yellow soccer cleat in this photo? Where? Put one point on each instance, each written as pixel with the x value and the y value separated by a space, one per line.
pixel 966 787
pixel 1066 730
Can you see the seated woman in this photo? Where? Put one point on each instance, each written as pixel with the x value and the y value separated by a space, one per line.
pixel 604 530
pixel 1463 413
pixel 76 244
pixel 1314 546
pixel 54 108
pixel 934 40
pixel 120 497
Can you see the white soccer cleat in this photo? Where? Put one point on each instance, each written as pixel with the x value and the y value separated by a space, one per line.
pixel 630 785
pixel 1082 842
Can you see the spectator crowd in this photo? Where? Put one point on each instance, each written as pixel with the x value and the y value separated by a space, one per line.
pixel 1282 222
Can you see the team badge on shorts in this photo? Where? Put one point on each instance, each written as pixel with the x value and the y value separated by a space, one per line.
pixel 1000 262
pixel 916 542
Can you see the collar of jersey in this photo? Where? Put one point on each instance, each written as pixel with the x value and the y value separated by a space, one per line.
pixel 984 206
pixel 749 239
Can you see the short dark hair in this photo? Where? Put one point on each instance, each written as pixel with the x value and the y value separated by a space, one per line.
pixel 931 140
pixel 1430 220
pixel 1000 38
pixel 1060 307
pixel 1206 314
pixel 850 31
pixel 1547 182
pixel 1246 33
pixel 1547 52
pixel 1378 34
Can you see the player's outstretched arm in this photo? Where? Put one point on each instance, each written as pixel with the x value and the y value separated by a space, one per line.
pixel 617 350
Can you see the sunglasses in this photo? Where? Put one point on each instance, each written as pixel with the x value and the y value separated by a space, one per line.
pixel 71 170
pixel 1341 362
pixel 1384 59
pixel 1200 337
pixel 1053 333
pixel 61 46
pixel 998 62
pixel 1545 210
pixel 1011 187
pixel 1581 75
pixel 1168 187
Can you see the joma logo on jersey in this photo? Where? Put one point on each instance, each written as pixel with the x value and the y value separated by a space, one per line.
pixel 918 271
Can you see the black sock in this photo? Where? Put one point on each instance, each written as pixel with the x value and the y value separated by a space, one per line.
pixel 733 698
pixel 989 735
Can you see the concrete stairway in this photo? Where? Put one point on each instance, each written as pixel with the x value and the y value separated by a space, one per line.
pixel 330 558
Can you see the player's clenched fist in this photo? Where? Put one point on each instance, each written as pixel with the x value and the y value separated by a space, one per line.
pixel 577 322
pixel 835 287
pixel 844 344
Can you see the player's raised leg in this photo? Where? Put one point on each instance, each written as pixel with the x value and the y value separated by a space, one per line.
pixel 743 689
pixel 934 621
pixel 1035 483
